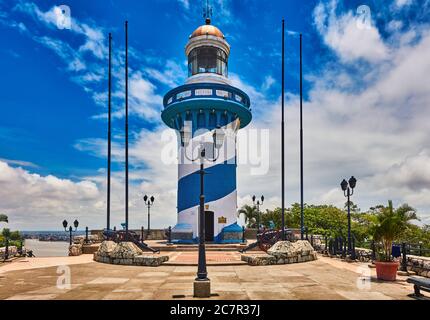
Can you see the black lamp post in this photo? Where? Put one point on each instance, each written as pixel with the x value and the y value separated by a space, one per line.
pixel 75 224
pixel 348 191
pixel 149 202
pixel 257 204
pixel 218 139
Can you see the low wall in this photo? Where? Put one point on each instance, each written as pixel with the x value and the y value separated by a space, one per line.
pixel 12 251
pixel 154 234
pixel 420 265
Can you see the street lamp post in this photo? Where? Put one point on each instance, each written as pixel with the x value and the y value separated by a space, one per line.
pixel 348 191
pixel 75 224
pixel 149 202
pixel 257 204
pixel 218 139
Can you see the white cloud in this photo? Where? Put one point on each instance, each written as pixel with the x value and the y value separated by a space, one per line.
pixel 19 163
pixel 402 3
pixel 185 3
pixel 31 199
pixel 341 33
pixel 173 75
pixel 269 81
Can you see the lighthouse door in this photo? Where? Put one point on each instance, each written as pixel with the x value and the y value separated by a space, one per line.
pixel 209 225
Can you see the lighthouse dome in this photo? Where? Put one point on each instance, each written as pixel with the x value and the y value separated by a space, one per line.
pixel 207 30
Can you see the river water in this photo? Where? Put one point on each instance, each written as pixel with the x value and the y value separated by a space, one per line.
pixel 47 248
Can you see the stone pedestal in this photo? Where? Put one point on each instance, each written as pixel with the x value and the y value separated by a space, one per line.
pixel 202 289
pixel 127 253
pixel 75 250
pixel 283 252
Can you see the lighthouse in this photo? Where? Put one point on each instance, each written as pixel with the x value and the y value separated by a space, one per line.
pixel 206 104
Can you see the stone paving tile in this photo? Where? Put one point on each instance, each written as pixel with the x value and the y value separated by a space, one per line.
pixel 177 285
pixel 122 296
pixel 53 290
pixel 146 296
pixel 106 280
pixel 316 293
pixel 221 269
pixel 186 279
pixel 270 295
pixel 148 274
pixel 33 297
pixel 127 290
pixel 87 293
pixel 226 286
pixel 170 294
pixel 141 283
pixel 185 269
pixel 261 286
pixel 153 280
pixel 216 279
pixel 364 295
pixel 229 295
pixel 223 274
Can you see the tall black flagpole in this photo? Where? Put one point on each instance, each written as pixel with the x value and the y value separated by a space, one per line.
pixel 109 132
pixel 282 132
pixel 126 129
pixel 302 224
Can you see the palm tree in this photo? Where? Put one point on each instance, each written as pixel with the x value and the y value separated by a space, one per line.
pixel 391 224
pixel 3 218
pixel 250 213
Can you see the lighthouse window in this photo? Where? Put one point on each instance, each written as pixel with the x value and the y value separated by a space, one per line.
pixel 222 93
pixel 207 60
pixel 184 94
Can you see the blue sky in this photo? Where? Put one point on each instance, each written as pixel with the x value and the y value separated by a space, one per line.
pixel 364 103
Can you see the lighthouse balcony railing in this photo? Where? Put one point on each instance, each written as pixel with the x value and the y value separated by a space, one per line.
pixel 206 90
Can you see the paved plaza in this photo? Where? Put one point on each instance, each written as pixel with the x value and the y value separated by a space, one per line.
pixel 322 279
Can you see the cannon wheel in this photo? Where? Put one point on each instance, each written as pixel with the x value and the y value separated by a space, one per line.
pixel 267 239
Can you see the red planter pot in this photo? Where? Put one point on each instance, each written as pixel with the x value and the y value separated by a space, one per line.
pixel 386 270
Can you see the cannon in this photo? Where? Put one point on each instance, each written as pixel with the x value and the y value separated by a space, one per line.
pixel 267 238
pixel 131 236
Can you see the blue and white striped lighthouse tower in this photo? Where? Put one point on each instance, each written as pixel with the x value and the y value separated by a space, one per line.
pixel 204 103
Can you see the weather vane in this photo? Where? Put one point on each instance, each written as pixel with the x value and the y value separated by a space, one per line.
pixel 207 12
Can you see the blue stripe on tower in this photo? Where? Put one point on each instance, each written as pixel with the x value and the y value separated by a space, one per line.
pixel 220 181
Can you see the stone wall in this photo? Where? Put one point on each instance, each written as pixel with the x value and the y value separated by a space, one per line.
pixel 75 249
pixel 126 253
pixel 12 251
pixel 420 265
pixel 154 234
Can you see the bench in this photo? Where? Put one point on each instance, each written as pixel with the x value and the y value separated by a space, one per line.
pixel 419 284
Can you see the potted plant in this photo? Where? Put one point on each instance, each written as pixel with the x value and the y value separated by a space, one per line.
pixel 390 225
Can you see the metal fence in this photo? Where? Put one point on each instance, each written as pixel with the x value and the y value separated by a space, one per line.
pixel 338 246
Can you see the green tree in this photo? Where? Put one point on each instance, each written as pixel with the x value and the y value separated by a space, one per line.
pixel 391 225
pixel 3 218
pixel 15 236
pixel 6 233
pixel 250 214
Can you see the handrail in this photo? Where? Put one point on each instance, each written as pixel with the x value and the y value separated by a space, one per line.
pixel 219 91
